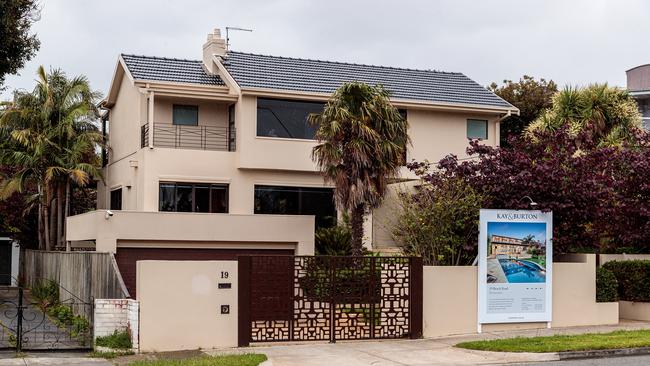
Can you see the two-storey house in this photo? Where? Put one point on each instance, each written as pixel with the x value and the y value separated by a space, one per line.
pixel 209 159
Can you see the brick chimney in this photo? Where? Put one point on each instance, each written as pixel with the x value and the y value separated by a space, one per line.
pixel 215 45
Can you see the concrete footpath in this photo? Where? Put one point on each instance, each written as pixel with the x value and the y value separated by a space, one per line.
pixel 436 351
pixel 420 352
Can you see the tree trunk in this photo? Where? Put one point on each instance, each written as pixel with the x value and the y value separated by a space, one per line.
pixel 53 206
pixel 59 215
pixel 46 225
pixel 41 240
pixel 66 212
pixel 356 221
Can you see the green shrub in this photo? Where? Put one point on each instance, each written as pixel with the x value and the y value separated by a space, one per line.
pixel 606 285
pixel 117 340
pixel 45 293
pixel 80 326
pixel 61 313
pixel 335 240
pixel 633 279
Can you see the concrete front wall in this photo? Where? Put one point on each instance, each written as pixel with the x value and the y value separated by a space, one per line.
pixel 185 312
pixel 197 229
pixel 451 306
pixel 634 310
pixel 211 113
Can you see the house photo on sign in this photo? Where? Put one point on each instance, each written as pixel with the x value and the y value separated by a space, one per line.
pixel 515 264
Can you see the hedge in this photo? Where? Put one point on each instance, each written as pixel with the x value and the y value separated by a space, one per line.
pixel 633 279
pixel 606 285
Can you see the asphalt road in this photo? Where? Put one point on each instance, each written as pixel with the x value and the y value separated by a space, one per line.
pixel 622 361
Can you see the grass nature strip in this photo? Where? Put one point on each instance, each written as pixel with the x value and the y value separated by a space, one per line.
pixel 250 359
pixel 561 343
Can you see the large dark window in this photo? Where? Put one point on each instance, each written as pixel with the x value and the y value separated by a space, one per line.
pixel 286 118
pixel 297 201
pixel 187 115
pixel 193 197
pixel 116 199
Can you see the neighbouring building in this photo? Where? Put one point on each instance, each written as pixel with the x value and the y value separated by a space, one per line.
pixel 210 158
pixel 638 83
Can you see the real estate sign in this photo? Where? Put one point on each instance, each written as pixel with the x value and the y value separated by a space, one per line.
pixel 515 266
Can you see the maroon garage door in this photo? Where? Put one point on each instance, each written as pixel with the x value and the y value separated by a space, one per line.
pixel 127 257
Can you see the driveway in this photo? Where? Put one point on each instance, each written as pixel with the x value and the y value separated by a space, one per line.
pixel 420 352
pixel 388 353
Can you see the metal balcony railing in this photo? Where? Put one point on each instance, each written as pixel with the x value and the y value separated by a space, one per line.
pixel 189 137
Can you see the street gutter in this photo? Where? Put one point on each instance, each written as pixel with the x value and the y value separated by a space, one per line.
pixel 603 353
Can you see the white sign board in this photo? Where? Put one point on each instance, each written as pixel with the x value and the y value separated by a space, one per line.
pixel 515 266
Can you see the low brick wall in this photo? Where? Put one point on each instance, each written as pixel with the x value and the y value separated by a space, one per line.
pixel 117 314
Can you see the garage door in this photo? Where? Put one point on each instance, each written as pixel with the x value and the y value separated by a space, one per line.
pixel 127 257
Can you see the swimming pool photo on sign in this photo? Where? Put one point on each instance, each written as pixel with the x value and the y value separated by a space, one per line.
pixel 516 252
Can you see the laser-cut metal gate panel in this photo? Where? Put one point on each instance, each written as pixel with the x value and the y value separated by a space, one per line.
pixel 304 298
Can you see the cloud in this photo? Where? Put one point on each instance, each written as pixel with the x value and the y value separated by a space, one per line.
pixel 572 42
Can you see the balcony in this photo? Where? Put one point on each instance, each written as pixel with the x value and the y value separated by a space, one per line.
pixel 189 137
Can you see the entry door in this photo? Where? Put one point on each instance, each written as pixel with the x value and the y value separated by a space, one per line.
pixel 5 263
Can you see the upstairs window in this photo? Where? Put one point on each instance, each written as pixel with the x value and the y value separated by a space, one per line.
pixel 477 129
pixel 193 197
pixel 186 115
pixel 116 199
pixel 286 118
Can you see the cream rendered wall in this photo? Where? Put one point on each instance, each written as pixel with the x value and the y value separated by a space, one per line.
pixel 125 120
pixel 198 230
pixel 450 299
pixel 211 113
pixel 202 166
pixel 185 313
pixel 267 152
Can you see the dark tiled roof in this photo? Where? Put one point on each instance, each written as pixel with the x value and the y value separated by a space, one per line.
pixel 169 69
pixel 294 74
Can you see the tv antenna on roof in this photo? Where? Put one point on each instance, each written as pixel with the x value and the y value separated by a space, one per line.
pixel 235 29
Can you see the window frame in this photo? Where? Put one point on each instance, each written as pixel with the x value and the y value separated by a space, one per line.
pixel 187 107
pixel 300 190
pixel 121 198
pixel 257 118
pixel 194 185
pixel 487 127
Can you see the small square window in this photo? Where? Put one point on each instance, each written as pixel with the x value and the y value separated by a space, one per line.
pixel 477 129
pixel 187 115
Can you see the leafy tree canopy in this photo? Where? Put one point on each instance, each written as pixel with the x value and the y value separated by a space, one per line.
pixel 17 45
pixel 530 96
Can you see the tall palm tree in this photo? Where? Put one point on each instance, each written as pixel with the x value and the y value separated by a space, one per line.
pixel 362 144
pixel 52 141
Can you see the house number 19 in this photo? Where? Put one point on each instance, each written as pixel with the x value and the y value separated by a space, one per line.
pixel 224 274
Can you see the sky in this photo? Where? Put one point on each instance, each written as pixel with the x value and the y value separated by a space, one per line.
pixel 518 230
pixel 574 42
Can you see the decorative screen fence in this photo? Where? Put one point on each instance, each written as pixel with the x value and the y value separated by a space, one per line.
pixel 304 298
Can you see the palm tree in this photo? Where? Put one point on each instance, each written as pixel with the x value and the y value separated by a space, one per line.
pixel 362 144
pixel 608 115
pixel 52 142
